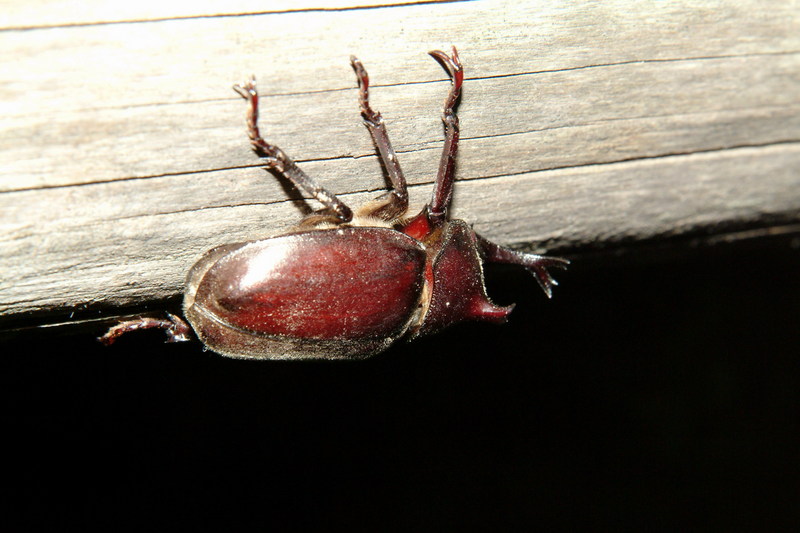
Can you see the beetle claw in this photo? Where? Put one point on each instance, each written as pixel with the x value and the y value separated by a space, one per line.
pixel 247 90
pixel 179 331
pixel 544 279
pixel 538 266
pixel 451 62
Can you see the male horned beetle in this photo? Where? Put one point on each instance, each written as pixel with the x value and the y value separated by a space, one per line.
pixel 344 284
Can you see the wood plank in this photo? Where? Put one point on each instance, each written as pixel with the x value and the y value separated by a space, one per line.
pixel 145 256
pixel 123 155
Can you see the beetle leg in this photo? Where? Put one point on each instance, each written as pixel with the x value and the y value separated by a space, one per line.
pixel 396 202
pixel 536 264
pixel 443 188
pixel 276 159
pixel 176 329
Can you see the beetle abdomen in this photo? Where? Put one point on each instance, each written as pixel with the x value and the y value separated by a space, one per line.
pixel 348 288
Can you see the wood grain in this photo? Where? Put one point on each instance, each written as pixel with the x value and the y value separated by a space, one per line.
pixel 123 154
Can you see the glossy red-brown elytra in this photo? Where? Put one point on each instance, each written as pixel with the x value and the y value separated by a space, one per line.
pixel 344 284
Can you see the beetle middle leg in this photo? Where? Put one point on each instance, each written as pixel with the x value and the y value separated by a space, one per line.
pixel 395 203
pixel 277 160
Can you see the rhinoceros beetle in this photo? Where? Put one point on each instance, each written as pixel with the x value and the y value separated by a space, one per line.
pixel 345 284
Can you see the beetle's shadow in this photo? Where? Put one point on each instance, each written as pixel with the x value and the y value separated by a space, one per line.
pixel 292 193
pixel 295 196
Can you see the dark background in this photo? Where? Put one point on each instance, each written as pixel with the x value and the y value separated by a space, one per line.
pixel 656 390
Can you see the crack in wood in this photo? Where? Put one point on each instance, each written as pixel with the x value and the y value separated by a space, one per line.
pixel 415 186
pixel 433 147
pixel 634 62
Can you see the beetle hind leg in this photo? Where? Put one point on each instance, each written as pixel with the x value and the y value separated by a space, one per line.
pixel 277 161
pixel 535 264
pixel 176 329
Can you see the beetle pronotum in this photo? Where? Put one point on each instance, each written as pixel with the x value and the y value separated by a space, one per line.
pixel 345 284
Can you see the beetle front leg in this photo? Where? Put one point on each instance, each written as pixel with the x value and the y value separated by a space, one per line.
pixel 277 160
pixel 176 329
pixel 396 202
pixel 536 264
pixel 443 188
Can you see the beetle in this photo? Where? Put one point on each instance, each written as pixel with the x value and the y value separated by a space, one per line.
pixel 345 284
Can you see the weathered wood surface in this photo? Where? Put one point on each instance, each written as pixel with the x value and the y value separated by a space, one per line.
pixel 123 154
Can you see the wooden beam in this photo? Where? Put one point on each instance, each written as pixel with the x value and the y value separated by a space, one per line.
pixel 124 155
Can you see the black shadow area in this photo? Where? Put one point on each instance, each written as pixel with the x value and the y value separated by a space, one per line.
pixel 647 396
